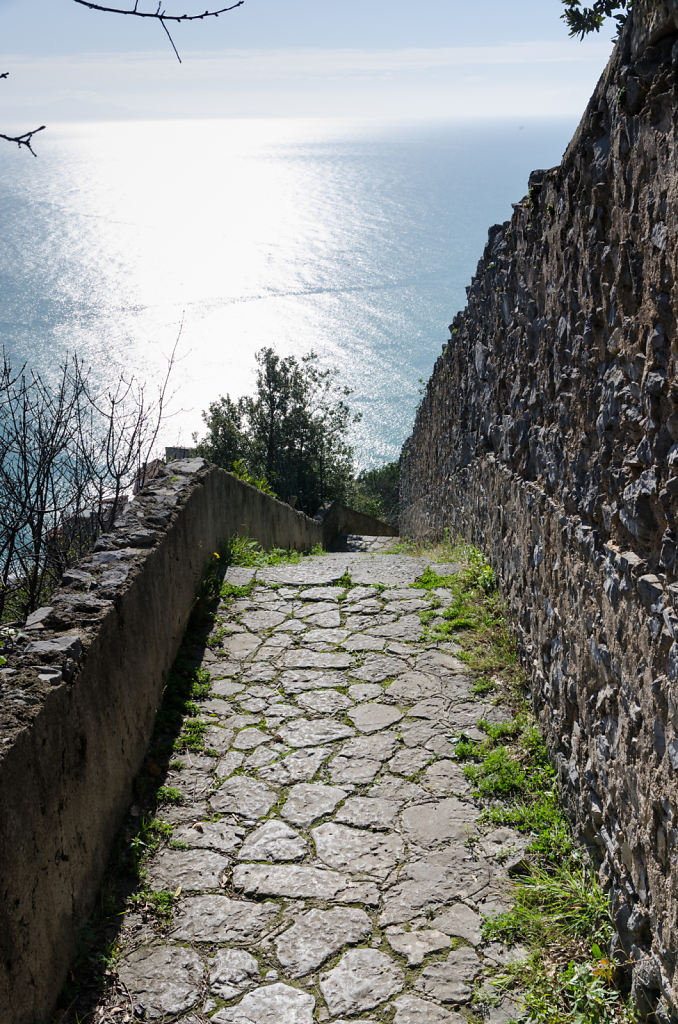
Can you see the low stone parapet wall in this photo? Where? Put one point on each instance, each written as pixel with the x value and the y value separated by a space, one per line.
pixel 78 699
pixel 337 519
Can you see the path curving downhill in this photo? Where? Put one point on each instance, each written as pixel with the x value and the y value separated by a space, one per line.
pixel 329 862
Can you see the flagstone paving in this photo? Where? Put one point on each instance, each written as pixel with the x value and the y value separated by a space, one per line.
pixel 330 862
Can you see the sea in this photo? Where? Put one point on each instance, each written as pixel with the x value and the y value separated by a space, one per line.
pixel 123 242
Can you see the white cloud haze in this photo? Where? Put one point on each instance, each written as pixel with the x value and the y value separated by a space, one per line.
pixel 539 78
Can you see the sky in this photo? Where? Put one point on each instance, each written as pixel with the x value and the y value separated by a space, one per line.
pixel 296 58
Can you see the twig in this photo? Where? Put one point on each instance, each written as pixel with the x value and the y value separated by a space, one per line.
pixel 25 139
pixel 171 40
pixel 159 14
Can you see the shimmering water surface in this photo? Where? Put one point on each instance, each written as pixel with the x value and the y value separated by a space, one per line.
pixel 355 239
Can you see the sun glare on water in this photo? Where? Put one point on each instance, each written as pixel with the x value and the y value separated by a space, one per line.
pixel 352 238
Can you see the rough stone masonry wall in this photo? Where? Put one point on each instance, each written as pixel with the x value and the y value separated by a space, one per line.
pixel 78 700
pixel 549 435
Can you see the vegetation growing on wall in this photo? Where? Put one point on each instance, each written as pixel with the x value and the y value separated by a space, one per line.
pixel 561 915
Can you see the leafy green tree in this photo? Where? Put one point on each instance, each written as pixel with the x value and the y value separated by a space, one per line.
pixel 583 20
pixel 376 492
pixel 225 441
pixel 292 432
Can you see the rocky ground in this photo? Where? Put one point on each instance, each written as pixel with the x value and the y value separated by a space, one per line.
pixel 328 864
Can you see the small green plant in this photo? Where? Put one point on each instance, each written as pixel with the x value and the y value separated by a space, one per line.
pixel 431 580
pixel 9 635
pixel 217 637
pixel 261 483
pixel 160 904
pixel 582 990
pixel 475 609
pixel 550 209
pixel 566 901
pixel 169 795
pixel 229 591
pixel 497 774
pixel 249 553
pixel 530 200
pixel 404 546
pixel 467 749
pixel 208 590
pixel 147 839
pixel 500 730
pixel 192 736
pixel 483 686
pixel 200 685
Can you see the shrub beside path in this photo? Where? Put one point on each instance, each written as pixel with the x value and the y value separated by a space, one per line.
pixel 326 861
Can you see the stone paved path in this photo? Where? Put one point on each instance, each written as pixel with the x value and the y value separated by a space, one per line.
pixel 331 867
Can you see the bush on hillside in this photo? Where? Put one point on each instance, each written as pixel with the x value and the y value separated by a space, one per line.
pixel 376 492
pixel 291 434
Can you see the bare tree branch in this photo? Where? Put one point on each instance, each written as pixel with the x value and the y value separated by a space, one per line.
pixel 25 139
pixel 159 14
pixel 173 44
pixel 70 454
pixel 21 140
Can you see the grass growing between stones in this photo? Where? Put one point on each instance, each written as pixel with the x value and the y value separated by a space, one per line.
pixel 125 888
pixel 560 913
pixel 249 553
pixel 475 619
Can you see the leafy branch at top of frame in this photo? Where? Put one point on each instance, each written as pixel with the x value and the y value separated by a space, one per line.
pixel 581 21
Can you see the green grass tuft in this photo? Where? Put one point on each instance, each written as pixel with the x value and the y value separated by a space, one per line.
pixel 249 553
pixel 169 795
pixel 560 914
pixel 483 686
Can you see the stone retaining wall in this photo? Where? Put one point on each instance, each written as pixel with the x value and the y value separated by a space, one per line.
pixel 78 699
pixel 338 518
pixel 549 434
